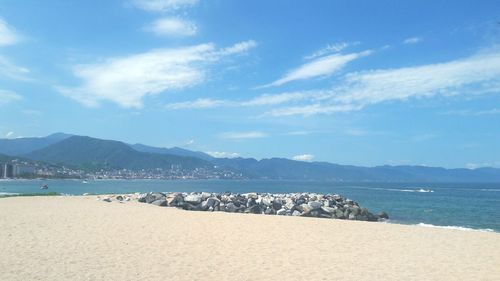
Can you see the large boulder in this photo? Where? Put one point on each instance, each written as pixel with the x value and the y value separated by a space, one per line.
pixel 254 209
pixel 315 204
pixel 160 202
pixel 383 215
pixel 151 197
pixel 174 199
pixel 230 207
pixel 193 198
pixel 277 204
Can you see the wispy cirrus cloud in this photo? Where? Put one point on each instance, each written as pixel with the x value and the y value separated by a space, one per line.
pixel 474 75
pixel 127 80
pixel 413 40
pixel 11 71
pixel 330 48
pixel 242 135
pixel 8 35
pixel 163 5
pixel 477 74
pixel 262 100
pixel 8 97
pixel 172 27
pixel 319 67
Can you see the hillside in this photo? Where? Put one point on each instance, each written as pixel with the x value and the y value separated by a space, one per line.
pixel 21 146
pixel 91 153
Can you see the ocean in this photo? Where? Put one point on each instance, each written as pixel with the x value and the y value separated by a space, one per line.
pixel 460 206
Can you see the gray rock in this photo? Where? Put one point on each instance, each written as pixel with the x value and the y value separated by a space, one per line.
pixel 383 215
pixel 230 207
pixel 277 204
pixel 255 209
pixel 339 214
pixel 270 211
pixel 296 213
pixel 328 209
pixel 193 198
pixel 314 205
pixel 281 212
pixel 160 202
pixel 151 197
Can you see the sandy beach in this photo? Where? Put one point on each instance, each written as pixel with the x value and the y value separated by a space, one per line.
pixel 80 238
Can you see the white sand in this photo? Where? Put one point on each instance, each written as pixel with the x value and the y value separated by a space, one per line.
pixel 79 238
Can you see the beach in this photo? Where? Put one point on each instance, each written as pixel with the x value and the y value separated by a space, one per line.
pixel 81 238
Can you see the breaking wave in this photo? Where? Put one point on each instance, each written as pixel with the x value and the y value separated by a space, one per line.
pixel 463 228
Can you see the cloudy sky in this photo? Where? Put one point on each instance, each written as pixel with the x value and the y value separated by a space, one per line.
pixel 351 82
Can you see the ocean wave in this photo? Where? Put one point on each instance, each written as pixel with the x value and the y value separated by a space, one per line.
pixel 8 193
pixel 421 190
pixel 463 228
pixel 489 189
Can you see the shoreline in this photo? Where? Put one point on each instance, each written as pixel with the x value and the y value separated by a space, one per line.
pixel 94 240
pixel 4 195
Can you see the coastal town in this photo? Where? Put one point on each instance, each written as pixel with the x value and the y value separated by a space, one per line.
pixel 21 169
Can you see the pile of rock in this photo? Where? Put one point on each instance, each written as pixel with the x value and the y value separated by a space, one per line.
pixel 290 204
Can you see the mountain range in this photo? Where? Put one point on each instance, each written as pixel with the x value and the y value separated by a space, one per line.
pixel 93 154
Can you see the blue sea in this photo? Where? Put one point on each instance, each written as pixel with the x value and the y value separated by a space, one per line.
pixel 461 206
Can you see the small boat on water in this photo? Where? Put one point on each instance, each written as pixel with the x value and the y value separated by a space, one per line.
pixel 84 181
pixel 45 186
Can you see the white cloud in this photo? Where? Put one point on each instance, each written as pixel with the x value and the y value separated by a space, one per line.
pixel 478 74
pixel 127 80
pixel 303 157
pixel 221 154
pixel 330 48
pixel 173 27
pixel 12 71
pixel 320 67
pixel 412 40
pixel 8 36
pixel 243 135
pixel 262 100
pixel 196 104
pixel 8 97
pixel 238 48
pixel 164 5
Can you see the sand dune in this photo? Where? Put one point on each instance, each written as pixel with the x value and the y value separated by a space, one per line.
pixel 79 238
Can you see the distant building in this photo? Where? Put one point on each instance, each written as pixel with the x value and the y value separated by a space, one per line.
pixel 23 170
pixel 7 171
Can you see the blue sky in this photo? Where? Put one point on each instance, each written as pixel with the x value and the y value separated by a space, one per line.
pixel 351 82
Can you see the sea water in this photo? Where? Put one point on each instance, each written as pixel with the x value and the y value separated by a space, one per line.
pixel 459 206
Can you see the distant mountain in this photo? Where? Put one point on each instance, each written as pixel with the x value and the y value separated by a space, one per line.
pixel 280 168
pixel 20 146
pixel 91 153
pixel 172 151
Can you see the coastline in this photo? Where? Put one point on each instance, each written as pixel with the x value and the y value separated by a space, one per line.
pixel 80 238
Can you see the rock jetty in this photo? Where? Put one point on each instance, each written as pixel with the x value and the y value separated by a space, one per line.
pixel 291 204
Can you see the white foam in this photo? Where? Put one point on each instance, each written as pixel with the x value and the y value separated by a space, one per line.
pixel 417 190
pixel 7 193
pixel 455 227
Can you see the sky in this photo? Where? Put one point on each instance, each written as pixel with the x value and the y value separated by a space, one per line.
pixel 351 82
